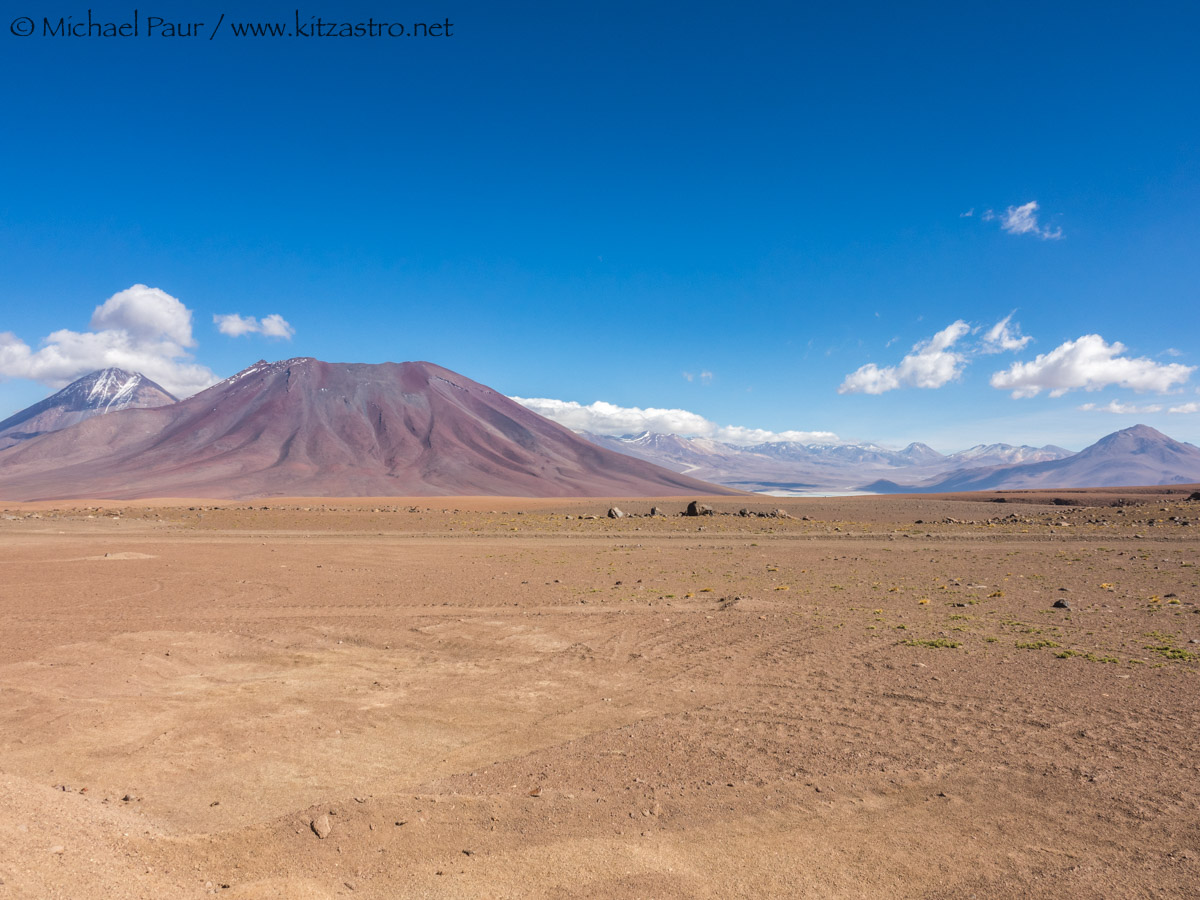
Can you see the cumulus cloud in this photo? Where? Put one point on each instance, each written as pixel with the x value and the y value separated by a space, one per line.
pixel 1088 364
pixel 607 418
pixel 1185 408
pixel 931 364
pixel 1125 409
pixel 273 326
pixel 1004 336
pixel 1023 220
pixel 142 329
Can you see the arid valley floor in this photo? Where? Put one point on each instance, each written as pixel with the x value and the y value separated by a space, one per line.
pixel 874 697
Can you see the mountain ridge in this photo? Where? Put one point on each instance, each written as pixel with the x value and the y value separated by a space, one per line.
pixel 318 447
pixel 818 466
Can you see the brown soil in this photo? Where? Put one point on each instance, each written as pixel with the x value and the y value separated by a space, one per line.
pixel 499 698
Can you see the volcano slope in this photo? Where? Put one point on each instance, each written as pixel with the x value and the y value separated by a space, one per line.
pixel 496 698
pixel 303 427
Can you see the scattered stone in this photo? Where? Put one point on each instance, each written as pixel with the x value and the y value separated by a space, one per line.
pixel 321 826
pixel 615 513
pixel 1062 603
pixel 782 514
pixel 656 511
pixel 695 508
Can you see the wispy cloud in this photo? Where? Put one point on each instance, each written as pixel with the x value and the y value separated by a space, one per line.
pixel 607 418
pixel 272 326
pixel 141 329
pixel 1124 409
pixel 1185 408
pixel 931 364
pixel 1023 219
pixel 1088 363
pixel 1004 335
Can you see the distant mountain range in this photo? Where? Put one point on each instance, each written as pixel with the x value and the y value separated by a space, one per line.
pixel 1133 456
pixel 302 427
pixel 793 466
pixel 105 391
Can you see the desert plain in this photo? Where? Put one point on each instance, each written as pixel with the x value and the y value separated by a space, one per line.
pixel 490 697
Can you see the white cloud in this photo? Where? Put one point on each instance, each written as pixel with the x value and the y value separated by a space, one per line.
pixel 142 329
pixel 274 325
pixel 1185 408
pixel 1088 364
pixel 234 325
pixel 1002 336
pixel 1023 220
pixel 146 314
pixel 930 365
pixel 1125 409
pixel 277 326
pixel 607 418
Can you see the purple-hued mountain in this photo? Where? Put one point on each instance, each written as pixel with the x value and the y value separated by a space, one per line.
pixel 795 466
pixel 302 427
pixel 105 391
pixel 1005 455
pixel 1139 455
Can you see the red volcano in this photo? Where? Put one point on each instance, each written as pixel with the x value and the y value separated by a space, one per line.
pixel 302 427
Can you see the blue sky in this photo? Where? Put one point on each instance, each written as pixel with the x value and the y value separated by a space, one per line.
pixel 721 213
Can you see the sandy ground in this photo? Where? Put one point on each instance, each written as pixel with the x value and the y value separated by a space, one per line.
pixel 499 698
